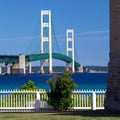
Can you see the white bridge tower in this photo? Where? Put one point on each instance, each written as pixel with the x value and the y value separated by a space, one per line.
pixel 46 37
pixel 70 47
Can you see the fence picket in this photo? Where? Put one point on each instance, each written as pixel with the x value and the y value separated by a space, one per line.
pixel 18 100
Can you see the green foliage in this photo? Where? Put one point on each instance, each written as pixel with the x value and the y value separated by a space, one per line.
pixel 29 86
pixel 60 96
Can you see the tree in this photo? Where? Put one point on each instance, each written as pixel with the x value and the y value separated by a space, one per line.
pixel 60 96
pixel 29 85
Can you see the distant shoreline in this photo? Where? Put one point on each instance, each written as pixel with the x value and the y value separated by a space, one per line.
pixel 59 69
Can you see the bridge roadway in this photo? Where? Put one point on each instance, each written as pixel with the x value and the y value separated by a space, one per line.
pixel 36 57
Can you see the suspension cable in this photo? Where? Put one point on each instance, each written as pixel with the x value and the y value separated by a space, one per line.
pixel 55 36
pixel 76 52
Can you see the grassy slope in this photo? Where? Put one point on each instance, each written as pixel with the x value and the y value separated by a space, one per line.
pixel 78 115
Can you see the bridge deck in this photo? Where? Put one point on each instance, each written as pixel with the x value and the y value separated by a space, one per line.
pixel 36 57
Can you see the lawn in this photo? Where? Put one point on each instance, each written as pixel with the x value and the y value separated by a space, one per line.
pixel 78 115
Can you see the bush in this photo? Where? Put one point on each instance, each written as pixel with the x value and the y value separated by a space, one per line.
pixel 29 86
pixel 60 96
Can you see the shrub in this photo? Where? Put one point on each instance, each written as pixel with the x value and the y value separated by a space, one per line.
pixel 60 96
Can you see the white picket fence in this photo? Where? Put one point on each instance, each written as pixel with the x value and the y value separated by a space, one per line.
pixel 31 101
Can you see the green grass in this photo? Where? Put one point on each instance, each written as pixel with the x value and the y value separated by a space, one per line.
pixel 78 115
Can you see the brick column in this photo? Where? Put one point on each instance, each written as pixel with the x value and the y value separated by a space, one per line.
pixel 112 101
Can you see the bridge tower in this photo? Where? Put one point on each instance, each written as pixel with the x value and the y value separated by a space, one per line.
pixel 46 37
pixel 70 46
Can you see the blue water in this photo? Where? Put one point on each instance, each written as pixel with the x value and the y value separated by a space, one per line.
pixel 83 80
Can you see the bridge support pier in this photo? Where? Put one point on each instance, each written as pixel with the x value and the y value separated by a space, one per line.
pixel 30 67
pixel 0 68
pixel 19 68
pixel 67 66
pixel 42 66
pixel 80 69
pixel 9 68
pixel 22 64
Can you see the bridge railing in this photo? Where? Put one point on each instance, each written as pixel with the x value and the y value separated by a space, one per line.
pixel 31 101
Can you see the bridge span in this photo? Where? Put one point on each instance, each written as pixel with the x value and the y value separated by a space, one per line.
pixel 16 64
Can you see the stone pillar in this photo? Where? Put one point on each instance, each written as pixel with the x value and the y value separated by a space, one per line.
pixel 112 101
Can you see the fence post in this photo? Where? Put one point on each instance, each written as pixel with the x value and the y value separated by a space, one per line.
pixel 37 102
pixel 93 100
pixel 37 96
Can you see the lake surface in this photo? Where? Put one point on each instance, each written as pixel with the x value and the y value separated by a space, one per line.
pixel 83 80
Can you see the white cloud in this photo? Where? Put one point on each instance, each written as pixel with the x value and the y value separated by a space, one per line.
pixel 19 38
pixel 93 32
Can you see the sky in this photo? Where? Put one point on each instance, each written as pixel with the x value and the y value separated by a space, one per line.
pixel 20 27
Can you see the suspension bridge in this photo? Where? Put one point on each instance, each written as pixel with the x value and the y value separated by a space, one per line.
pixel 16 64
